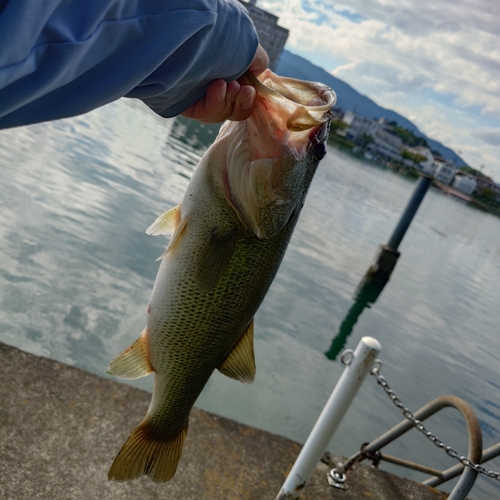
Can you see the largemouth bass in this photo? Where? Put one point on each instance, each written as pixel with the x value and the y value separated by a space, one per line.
pixel 228 237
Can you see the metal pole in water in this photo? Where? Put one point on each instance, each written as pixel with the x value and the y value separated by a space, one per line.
pixel 387 255
pixel 357 367
pixel 410 211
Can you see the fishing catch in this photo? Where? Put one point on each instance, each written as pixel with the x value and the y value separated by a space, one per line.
pixel 228 238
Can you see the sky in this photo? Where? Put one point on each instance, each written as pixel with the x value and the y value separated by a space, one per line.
pixel 436 62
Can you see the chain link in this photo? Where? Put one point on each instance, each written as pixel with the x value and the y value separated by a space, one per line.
pixel 420 426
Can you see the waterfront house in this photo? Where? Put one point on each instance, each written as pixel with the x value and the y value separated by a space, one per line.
pixel 426 166
pixel 357 125
pixel 385 142
pixel 486 182
pixel 445 170
pixel 464 183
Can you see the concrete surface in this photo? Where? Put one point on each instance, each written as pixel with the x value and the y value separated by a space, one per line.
pixel 61 427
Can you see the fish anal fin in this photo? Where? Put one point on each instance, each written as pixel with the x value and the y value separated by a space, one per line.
pixel 166 223
pixel 144 454
pixel 133 362
pixel 214 259
pixel 240 362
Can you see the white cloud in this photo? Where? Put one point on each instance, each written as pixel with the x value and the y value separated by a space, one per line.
pixel 390 48
pixel 489 136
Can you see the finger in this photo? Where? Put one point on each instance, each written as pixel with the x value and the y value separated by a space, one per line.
pixel 244 104
pixel 215 99
pixel 226 106
pixel 213 105
pixel 260 61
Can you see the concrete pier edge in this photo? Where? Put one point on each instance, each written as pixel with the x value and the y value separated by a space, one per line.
pixel 61 427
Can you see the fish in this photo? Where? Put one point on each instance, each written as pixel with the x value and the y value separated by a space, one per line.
pixel 228 237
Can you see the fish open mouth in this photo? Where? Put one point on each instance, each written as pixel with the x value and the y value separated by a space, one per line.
pixel 269 154
pixel 305 104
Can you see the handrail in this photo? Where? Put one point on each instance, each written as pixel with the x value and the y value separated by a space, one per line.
pixel 465 483
pixel 488 454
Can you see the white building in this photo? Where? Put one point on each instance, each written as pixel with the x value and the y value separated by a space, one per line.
pixel 357 125
pixel 445 170
pixel 427 166
pixel 386 143
pixel 271 36
pixel 485 182
pixel 464 183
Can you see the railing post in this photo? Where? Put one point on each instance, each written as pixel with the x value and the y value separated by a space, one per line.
pixel 330 418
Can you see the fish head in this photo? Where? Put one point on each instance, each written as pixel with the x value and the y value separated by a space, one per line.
pixel 272 156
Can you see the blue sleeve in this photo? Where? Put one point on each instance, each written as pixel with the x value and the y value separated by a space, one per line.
pixel 61 58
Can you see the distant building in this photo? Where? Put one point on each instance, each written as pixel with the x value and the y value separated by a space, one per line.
pixel 271 36
pixel 484 182
pixel 464 183
pixel 385 143
pixel 445 170
pixel 357 125
pixel 427 166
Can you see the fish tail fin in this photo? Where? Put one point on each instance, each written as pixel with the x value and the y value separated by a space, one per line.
pixel 143 454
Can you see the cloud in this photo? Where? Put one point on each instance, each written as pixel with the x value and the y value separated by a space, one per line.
pixel 452 47
pixel 488 135
pixel 408 55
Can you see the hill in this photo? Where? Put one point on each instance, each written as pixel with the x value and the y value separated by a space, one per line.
pixel 350 99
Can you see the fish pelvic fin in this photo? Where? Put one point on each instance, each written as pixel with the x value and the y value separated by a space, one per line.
pixel 143 454
pixel 133 362
pixel 240 362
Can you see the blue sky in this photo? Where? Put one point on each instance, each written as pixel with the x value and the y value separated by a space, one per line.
pixel 435 62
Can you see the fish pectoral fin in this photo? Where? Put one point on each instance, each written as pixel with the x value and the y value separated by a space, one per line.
pixel 133 362
pixel 240 362
pixel 166 223
pixel 143 454
pixel 214 259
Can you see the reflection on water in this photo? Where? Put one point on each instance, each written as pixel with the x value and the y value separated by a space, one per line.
pixel 187 142
pixel 76 271
pixel 366 294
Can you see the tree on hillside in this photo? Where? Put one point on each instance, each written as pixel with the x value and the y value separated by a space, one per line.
pixel 366 140
pixel 337 125
pixel 407 136
pixel 414 157
pixel 473 171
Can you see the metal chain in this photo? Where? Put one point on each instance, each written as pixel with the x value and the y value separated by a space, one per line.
pixel 420 426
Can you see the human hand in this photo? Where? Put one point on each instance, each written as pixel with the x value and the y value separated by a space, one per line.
pixel 228 101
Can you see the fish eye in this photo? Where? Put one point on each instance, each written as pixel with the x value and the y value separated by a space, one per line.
pixel 319 151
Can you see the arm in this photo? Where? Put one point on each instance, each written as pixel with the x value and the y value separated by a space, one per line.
pixel 61 58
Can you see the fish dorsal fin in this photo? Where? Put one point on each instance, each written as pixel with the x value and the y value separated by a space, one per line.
pixel 240 362
pixel 214 259
pixel 166 223
pixel 133 362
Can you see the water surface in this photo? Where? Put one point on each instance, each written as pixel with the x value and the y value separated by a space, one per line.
pixel 76 271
